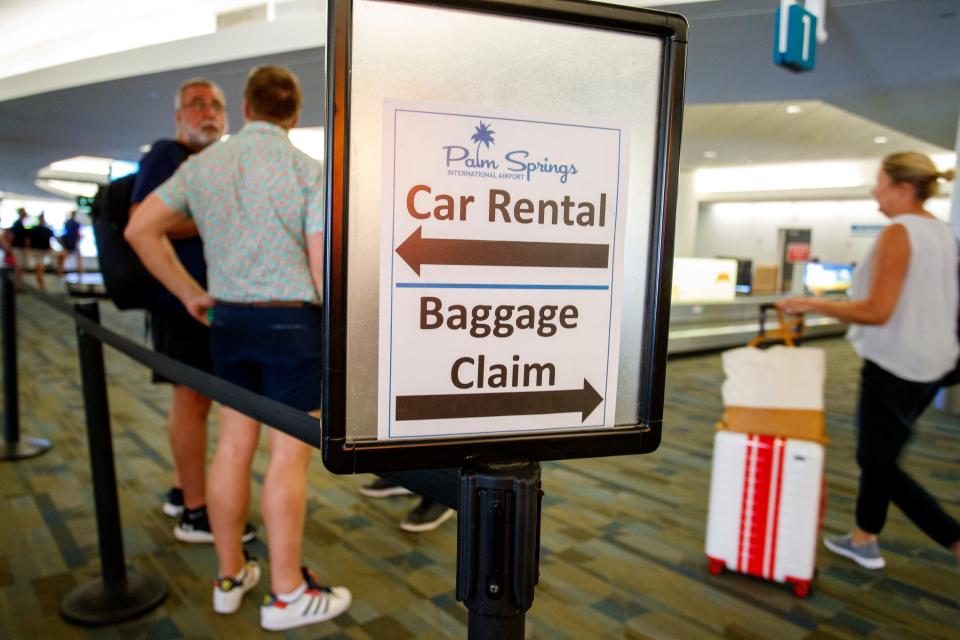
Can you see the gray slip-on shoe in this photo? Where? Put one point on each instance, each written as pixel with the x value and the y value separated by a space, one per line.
pixel 867 555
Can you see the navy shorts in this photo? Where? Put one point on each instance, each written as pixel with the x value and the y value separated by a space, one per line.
pixel 274 351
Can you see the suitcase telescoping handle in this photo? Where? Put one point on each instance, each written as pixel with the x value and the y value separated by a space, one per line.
pixel 789 331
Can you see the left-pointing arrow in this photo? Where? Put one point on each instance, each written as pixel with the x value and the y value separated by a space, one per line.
pixel 417 250
pixel 486 405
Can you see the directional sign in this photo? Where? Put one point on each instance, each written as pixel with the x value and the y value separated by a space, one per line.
pixel 501 259
pixel 795 40
pixel 798 252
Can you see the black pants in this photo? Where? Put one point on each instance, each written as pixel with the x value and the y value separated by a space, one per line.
pixel 889 407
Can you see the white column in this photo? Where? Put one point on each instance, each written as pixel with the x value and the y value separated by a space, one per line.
pixel 688 211
pixel 955 194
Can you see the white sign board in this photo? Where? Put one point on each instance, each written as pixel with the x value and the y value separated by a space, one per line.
pixel 704 280
pixel 500 270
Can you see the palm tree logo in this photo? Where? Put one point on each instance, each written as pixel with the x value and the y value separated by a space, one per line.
pixel 484 136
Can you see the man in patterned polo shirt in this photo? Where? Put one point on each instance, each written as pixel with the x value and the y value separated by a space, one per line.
pixel 258 204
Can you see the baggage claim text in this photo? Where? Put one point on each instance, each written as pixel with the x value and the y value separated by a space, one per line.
pixel 501 321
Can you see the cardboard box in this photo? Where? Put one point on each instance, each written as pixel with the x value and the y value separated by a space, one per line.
pixel 805 424
pixel 765 279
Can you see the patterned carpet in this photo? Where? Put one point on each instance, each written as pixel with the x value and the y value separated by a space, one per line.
pixel 622 547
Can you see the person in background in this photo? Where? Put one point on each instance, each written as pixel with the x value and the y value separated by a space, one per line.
pixel 426 516
pixel 70 240
pixel 904 316
pixel 201 120
pixel 6 243
pixel 19 243
pixel 258 204
pixel 38 248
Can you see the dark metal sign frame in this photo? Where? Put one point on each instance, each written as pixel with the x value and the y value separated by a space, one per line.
pixel 345 456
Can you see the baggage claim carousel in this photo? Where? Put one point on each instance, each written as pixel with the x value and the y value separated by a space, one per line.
pixel 710 326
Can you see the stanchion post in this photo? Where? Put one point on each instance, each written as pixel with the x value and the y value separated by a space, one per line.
pixel 99 439
pixel 498 548
pixel 11 392
pixel 13 447
pixel 118 594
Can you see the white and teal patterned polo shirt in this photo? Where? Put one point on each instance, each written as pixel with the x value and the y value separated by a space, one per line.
pixel 254 197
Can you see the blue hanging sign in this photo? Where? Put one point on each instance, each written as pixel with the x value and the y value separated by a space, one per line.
pixel 795 46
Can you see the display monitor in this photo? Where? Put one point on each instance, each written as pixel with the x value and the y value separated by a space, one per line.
pixel 744 283
pixel 824 278
pixel 85 204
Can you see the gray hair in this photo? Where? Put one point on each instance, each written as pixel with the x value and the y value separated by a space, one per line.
pixel 196 82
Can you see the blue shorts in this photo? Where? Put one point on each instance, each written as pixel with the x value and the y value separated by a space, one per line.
pixel 274 351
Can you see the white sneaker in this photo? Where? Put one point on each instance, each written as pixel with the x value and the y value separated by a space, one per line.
pixel 316 604
pixel 427 516
pixel 194 527
pixel 228 592
pixel 380 488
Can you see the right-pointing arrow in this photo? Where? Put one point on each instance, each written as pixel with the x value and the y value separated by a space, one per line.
pixel 486 405
pixel 417 250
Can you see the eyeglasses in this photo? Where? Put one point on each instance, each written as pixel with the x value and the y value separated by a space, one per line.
pixel 199 105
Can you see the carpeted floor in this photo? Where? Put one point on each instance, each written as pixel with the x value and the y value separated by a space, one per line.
pixel 622 546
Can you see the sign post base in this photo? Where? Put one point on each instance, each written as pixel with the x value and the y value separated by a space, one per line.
pixel 498 547
pixel 95 603
pixel 25 448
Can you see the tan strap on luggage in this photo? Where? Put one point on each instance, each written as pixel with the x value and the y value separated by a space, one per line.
pixel 787 333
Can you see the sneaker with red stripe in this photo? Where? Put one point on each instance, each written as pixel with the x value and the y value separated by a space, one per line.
pixel 228 592
pixel 316 604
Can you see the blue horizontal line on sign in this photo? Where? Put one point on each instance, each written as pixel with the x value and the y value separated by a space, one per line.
pixel 472 285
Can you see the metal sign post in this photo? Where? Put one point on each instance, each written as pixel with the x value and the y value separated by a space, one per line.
pixel 499 230
pixel 501 181
pixel 498 547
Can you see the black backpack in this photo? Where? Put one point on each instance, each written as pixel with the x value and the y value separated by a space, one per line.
pixel 128 282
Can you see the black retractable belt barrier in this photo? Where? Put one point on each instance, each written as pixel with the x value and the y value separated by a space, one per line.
pixel 277 415
pixel 119 594
pixel 13 447
pixel 498 548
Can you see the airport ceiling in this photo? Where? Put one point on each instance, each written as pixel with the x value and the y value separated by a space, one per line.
pixel 113 119
pixel 895 62
pixel 742 133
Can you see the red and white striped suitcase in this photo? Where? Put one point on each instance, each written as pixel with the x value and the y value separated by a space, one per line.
pixel 765 507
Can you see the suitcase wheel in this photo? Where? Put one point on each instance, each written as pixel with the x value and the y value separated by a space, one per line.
pixel 802 589
pixel 715 567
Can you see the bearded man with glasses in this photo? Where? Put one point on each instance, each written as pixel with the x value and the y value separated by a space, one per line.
pixel 201 120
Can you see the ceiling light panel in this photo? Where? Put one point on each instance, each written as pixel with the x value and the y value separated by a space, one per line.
pixel 780 177
pixel 82 164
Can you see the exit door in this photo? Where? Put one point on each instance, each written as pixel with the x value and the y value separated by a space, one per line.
pixel 794 254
